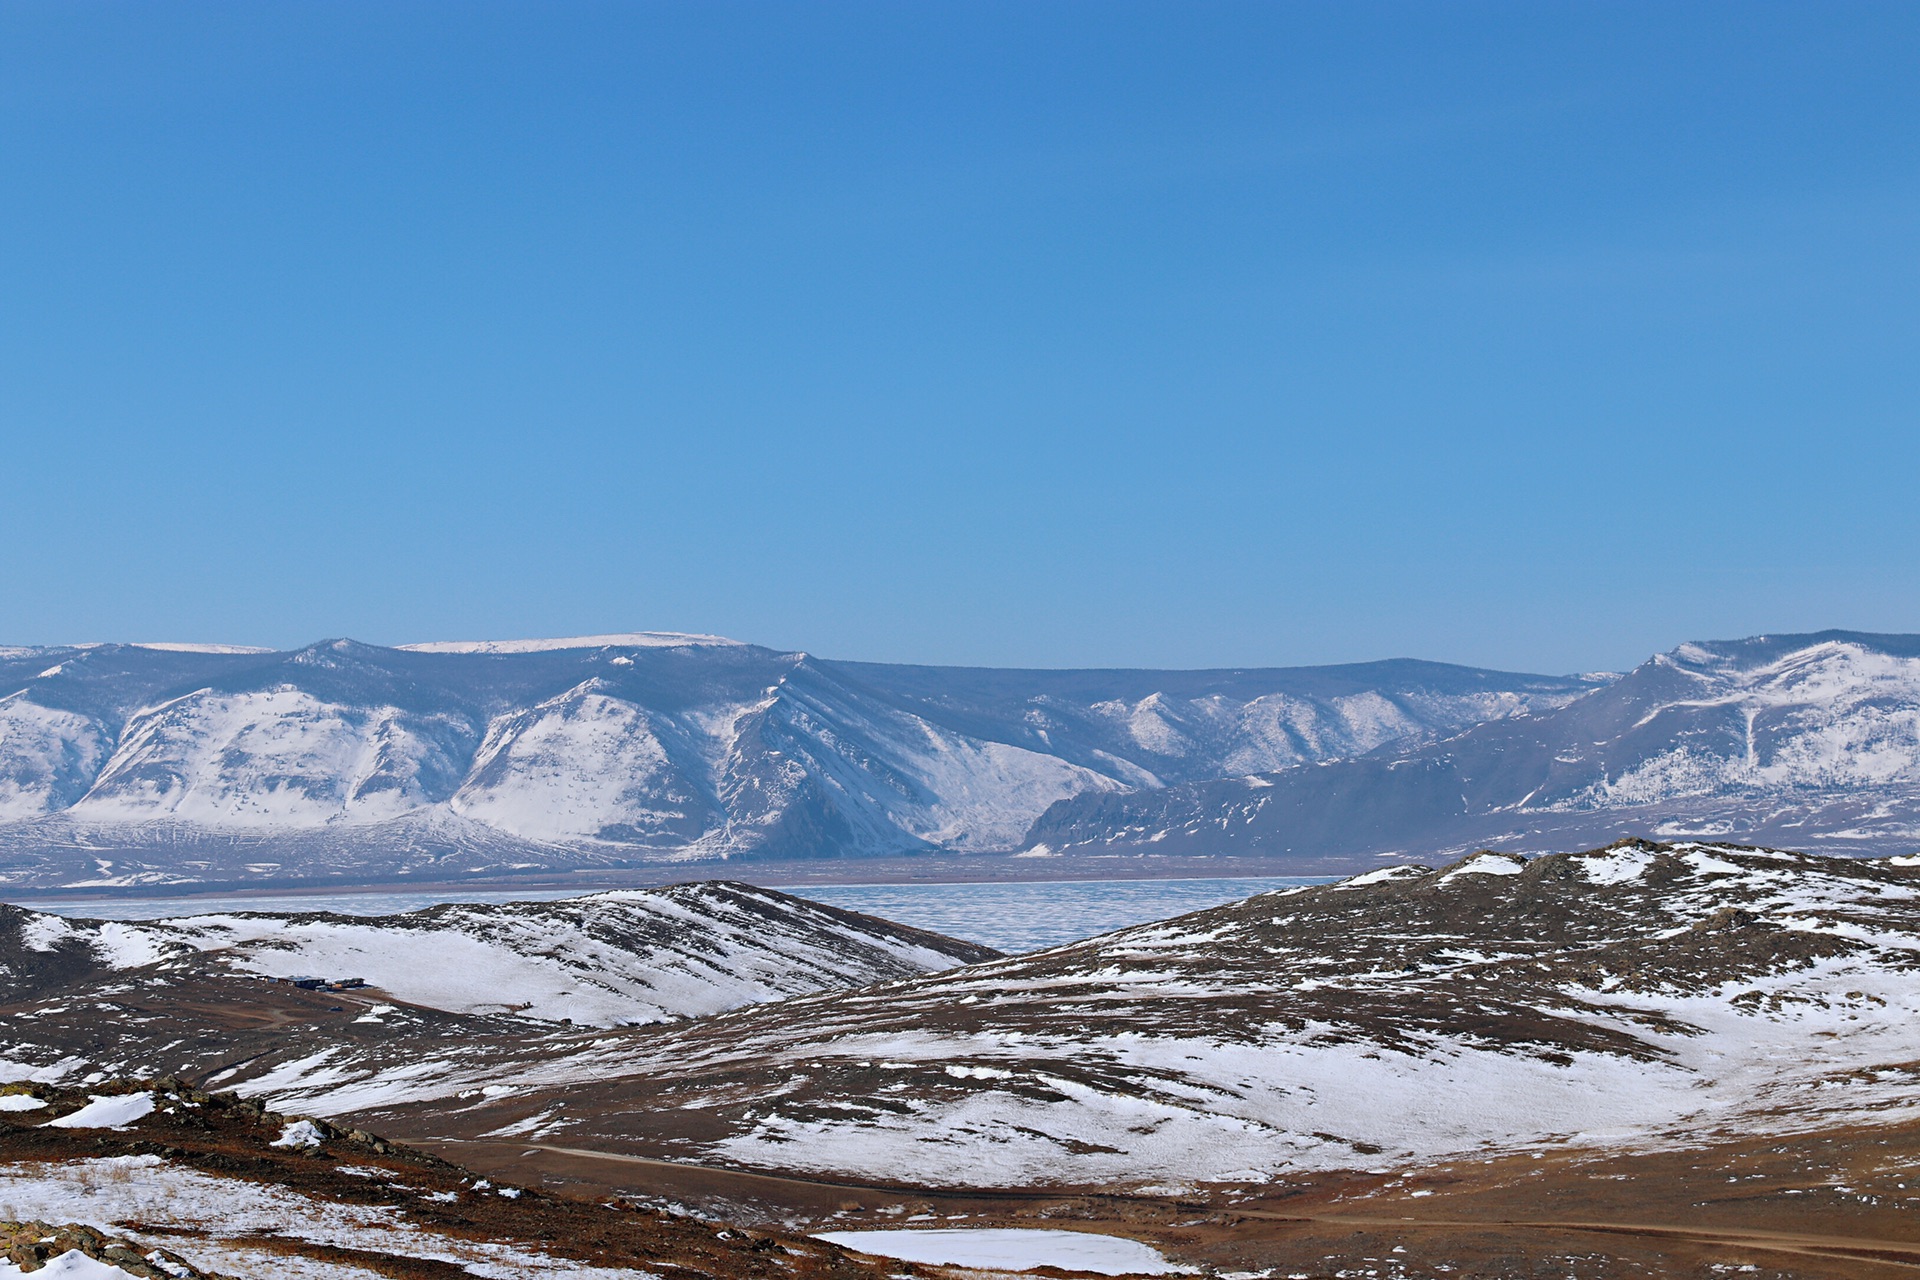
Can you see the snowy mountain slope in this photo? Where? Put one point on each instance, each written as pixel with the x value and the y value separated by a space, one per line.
pixel 51 757
pixel 1639 996
pixel 275 758
pixel 588 765
pixel 611 959
pixel 1153 728
pixel 136 764
pixel 622 640
pixel 1813 740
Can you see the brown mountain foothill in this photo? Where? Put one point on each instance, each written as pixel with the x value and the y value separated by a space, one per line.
pixel 1650 1059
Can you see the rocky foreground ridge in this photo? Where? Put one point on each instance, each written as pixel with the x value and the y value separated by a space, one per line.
pixel 1409 1015
pixel 176 1183
pixel 1643 1059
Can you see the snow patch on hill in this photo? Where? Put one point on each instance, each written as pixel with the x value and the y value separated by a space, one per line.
pixel 171 646
pixel 610 959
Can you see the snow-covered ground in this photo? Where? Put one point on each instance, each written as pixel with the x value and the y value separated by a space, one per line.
pixel 71 1265
pixel 1011 1249
pixel 1621 997
pixel 122 1194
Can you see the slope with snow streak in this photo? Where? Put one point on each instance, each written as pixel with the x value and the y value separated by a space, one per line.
pixel 1810 739
pixel 48 757
pixel 276 759
pixel 1833 714
pixel 1594 999
pixel 633 956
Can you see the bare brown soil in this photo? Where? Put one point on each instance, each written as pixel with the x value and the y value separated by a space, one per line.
pixel 1837 1204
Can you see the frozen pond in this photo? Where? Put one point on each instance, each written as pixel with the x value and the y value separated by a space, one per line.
pixel 1010 1248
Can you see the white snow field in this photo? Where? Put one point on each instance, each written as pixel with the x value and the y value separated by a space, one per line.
pixel 114 1111
pixel 621 640
pixel 1010 1248
pixel 71 1265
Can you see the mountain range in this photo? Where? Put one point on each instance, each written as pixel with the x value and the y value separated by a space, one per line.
pixel 143 764
pixel 1812 741
pixel 126 765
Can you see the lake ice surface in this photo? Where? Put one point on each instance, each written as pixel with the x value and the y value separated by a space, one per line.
pixel 1013 916
pixel 1028 915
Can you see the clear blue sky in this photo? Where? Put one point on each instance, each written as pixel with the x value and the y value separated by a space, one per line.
pixel 1534 335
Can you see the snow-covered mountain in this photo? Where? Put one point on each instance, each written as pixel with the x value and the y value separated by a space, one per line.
pixel 154 764
pixel 146 764
pixel 1812 740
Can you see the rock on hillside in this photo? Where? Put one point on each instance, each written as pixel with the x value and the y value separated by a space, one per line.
pixel 245 1192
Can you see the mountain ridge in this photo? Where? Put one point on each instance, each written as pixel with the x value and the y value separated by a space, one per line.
pixel 343 763
pixel 1810 739
pixel 196 764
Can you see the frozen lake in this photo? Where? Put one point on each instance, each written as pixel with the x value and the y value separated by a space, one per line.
pixel 1029 915
pixel 1015 916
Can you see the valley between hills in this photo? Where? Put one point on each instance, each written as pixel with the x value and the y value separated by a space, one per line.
pixel 1647 1059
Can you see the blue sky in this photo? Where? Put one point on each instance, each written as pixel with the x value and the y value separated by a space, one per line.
pixel 1532 335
